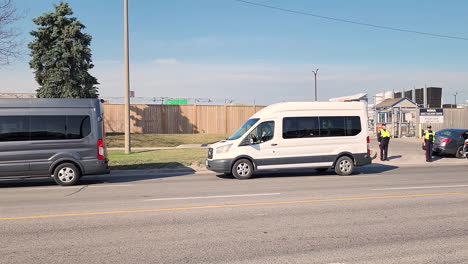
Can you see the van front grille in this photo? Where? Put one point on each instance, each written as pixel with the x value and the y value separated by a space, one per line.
pixel 210 153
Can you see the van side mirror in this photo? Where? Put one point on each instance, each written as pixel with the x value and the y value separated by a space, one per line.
pixel 247 141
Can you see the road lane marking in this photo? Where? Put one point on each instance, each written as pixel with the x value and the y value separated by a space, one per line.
pixel 68 187
pixel 420 187
pixel 210 197
pixel 109 185
pixel 230 205
pixel 43 188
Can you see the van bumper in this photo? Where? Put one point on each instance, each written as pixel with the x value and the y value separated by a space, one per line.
pixel 220 166
pixel 93 167
pixel 362 159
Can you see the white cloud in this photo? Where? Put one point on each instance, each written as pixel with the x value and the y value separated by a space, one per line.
pixel 166 61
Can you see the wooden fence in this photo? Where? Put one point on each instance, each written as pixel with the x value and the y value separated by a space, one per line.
pixel 178 119
pixel 215 119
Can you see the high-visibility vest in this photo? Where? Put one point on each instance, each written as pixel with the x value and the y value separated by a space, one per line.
pixel 428 134
pixel 384 133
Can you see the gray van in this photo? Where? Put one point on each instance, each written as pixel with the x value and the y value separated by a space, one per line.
pixel 62 138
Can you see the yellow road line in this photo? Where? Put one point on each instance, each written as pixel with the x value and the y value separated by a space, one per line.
pixel 232 205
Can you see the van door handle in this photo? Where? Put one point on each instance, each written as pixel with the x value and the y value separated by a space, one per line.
pixel 274 144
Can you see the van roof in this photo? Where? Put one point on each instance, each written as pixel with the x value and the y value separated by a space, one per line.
pixel 48 103
pixel 308 106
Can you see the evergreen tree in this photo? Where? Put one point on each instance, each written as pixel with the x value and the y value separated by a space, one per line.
pixel 61 57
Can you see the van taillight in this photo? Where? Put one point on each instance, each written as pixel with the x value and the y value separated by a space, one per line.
pixel 368 145
pixel 100 149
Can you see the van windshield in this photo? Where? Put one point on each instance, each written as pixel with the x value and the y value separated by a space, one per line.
pixel 241 131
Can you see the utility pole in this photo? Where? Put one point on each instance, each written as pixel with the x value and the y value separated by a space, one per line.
pixel 455 94
pixel 126 81
pixel 315 77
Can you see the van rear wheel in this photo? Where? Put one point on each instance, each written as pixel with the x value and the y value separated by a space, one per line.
pixel 344 166
pixel 66 174
pixel 242 169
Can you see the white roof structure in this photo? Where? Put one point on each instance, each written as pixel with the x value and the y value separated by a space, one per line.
pixel 351 98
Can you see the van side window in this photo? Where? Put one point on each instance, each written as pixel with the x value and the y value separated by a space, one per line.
pixel 263 132
pixel 78 127
pixel 300 127
pixel 59 127
pixel 324 126
pixel 339 126
pixel 48 127
pixel 25 128
pixel 332 126
pixel 353 125
pixel 14 128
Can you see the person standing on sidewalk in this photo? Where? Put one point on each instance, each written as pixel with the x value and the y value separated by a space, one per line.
pixel 429 137
pixel 384 139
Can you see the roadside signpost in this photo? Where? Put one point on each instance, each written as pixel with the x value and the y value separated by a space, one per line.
pixel 431 116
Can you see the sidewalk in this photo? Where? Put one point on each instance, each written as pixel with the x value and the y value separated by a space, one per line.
pixel 408 152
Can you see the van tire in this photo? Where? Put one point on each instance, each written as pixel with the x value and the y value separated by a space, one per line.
pixel 344 166
pixel 66 174
pixel 242 169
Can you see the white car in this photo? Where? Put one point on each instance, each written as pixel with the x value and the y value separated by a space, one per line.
pixel 317 135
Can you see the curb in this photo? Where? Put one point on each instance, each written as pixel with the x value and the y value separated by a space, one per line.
pixel 420 164
pixel 160 171
pixel 188 146
pixel 199 170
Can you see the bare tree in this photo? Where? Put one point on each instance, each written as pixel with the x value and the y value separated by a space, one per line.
pixel 9 42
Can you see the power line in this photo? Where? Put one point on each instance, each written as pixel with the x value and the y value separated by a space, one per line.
pixel 352 22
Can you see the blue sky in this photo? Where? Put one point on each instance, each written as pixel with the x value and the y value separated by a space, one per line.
pixel 226 49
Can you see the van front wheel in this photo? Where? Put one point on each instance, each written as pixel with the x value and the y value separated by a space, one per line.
pixel 242 169
pixel 66 174
pixel 344 166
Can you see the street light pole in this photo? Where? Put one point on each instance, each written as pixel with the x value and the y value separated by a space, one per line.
pixel 455 94
pixel 315 77
pixel 126 81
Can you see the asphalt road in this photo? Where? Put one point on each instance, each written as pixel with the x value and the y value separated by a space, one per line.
pixel 383 214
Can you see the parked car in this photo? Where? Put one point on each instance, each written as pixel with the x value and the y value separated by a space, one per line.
pixel 450 142
pixel 62 138
pixel 318 135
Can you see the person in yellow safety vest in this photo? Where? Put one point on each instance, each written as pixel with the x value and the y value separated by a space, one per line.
pixel 383 136
pixel 428 139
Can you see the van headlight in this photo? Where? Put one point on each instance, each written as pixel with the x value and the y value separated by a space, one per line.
pixel 223 149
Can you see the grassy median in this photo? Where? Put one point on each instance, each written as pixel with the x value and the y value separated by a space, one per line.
pixel 162 140
pixel 156 159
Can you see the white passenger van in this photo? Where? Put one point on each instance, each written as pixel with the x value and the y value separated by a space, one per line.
pixel 318 135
